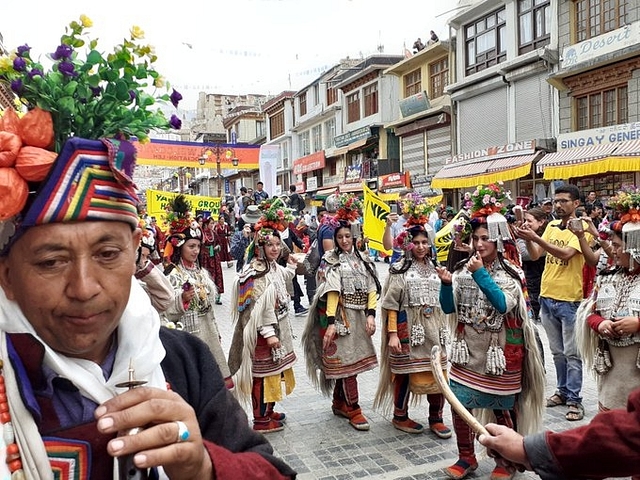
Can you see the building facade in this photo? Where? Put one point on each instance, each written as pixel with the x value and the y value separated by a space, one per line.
pixel 504 110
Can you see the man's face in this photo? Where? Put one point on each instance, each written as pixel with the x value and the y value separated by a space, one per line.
pixel 72 282
pixel 259 187
pixel 564 206
pixel 592 197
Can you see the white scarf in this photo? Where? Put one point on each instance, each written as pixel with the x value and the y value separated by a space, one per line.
pixel 138 343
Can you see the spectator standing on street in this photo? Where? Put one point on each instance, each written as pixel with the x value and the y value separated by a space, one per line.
pixel 296 202
pixel 259 195
pixel 261 353
pixel 413 323
pixel 337 338
pixel 223 232
pixel 241 239
pixel 560 295
pixel 495 361
pixel 210 257
pixel 394 226
pixel 547 206
pixel 290 238
pixel 149 275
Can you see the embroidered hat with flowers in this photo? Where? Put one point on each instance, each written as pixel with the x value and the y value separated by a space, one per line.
pixel 416 210
pixel 626 205
pixel 64 155
pixel 275 218
pixel 181 223
pixel 349 209
pixel 488 205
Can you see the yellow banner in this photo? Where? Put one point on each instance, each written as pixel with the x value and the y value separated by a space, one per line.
pixel 374 214
pixel 157 201
pixel 443 240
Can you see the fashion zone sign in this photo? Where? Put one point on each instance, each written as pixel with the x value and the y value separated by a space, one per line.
pixel 499 151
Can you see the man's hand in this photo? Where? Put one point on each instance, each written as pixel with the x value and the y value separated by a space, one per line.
pixel 526 233
pixel 157 412
pixel 392 218
pixel 506 444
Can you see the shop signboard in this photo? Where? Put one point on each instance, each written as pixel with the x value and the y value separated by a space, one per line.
pixel 354 173
pixel 312 184
pixel 599 136
pixel 309 163
pixel 498 151
pixel 604 44
pixel 396 179
pixel 352 136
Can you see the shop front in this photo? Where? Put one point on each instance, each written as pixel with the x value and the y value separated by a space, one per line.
pixel 502 163
pixel 600 159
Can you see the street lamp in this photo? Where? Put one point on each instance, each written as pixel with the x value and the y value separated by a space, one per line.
pixel 218 151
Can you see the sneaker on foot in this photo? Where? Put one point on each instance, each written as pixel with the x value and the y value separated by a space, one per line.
pixel 301 311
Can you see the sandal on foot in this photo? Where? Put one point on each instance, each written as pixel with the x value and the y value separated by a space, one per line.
pixel 556 400
pixel 576 412
pixel 460 469
pixel 359 422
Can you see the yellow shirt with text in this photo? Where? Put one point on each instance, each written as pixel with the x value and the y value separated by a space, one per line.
pixel 562 279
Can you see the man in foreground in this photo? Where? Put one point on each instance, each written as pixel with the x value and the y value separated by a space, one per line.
pixel 609 446
pixel 77 332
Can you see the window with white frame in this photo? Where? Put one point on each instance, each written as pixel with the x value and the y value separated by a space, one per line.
pixel 260 128
pixel 534 24
pixel 305 143
pixel 485 42
pixel 316 136
pixel 316 94
pixel 329 132
pixel 284 155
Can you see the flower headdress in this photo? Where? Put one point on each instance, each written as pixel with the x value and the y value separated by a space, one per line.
pixel 489 204
pixel 67 158
pixel 417 210
pixel 626 204
pixel 416 207
pixel 148 234
pixel 182 225
pixel 349 207
pixel 275 215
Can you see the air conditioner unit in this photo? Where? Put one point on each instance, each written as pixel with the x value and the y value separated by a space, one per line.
pixel 414 104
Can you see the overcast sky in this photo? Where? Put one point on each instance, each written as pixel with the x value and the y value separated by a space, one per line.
pixel 238 46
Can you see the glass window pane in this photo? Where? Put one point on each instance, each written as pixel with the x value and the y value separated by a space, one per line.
pixel 471 53
pixel 524 5
pixel 491 21
pixel 502 39
pixel 471 31
pixel 526 31
pixel 480 26
pixel 502 16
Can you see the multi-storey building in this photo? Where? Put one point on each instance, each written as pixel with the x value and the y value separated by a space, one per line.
pixel 599 96
pixel 365 147
pixel 279 118
pixel 424 125
pixel 503 106
pixel 317 122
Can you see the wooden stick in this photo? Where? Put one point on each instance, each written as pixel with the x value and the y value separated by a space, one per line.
pixel 460 409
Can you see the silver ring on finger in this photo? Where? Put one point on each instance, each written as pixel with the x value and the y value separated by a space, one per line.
pixel 183 432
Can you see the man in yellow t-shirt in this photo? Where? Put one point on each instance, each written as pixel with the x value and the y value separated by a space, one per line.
pixel 561 293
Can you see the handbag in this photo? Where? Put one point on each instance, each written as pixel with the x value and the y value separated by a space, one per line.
pixel 312 259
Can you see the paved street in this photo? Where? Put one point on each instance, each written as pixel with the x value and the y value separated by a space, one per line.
pixel 320 445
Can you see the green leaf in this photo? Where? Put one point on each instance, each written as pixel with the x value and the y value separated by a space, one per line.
pixel 94 58
pixel 67 103
pixel 70 88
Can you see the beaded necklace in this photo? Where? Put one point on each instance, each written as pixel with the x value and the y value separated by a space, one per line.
pixel 12 450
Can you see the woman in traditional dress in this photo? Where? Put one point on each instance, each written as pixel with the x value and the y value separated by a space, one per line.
pixel 495 361
pixel 261 354
pixel 223 232
pixel 194 291
pixel 210 257
pixel 609 320
pixel 341 321
pixel 413 323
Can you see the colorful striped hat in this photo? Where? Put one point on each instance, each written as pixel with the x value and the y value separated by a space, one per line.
pixel 90 180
